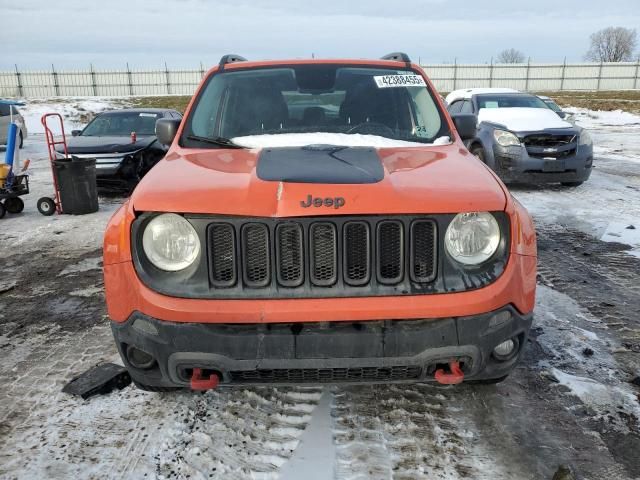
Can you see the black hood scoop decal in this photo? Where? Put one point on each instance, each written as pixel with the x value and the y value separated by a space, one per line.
pixel 320 164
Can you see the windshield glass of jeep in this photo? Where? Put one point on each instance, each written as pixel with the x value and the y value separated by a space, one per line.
pixel 309 99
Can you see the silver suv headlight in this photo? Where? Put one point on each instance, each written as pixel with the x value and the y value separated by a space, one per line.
pixel 584 138
pixel 170 242
pixel 472 238
pixel 506 139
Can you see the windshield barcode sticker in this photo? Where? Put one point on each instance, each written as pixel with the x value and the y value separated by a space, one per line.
pixel 391 81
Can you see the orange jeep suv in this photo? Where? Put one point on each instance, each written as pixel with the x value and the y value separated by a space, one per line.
pixel 319 221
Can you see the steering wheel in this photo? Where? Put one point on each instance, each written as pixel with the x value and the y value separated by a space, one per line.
pixel 371 128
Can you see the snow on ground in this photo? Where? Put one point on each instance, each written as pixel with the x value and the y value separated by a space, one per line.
pixel 76 112
pixel 596 118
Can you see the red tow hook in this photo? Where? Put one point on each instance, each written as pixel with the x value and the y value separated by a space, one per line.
pixel 456 376
pixel 198 382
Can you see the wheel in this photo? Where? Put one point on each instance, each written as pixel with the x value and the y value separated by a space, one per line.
pixel 14 205
pixel 21 144
pixel 46 206
pixel 571 184
pixel 2 210
pixel 478 152
pixel 150 388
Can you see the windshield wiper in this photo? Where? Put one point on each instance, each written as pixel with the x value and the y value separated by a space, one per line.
pixel 221 141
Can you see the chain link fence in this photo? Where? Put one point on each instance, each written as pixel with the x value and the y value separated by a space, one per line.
pixel 447 77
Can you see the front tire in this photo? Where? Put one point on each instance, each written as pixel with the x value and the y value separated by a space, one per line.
pixel 14 205
pixel 46 206
pixel 3 210
pixel 21 140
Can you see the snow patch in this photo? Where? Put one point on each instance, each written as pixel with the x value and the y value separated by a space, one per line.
pixel 94 263
pixel 325 138
pixel 76 112
pixel 623 233
pixel 597 118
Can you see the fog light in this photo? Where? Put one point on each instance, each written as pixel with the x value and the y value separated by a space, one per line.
pixel 506 350
pixel 139 358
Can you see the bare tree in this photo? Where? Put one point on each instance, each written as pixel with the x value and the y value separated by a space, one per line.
pixel 612 44
pixel 510 55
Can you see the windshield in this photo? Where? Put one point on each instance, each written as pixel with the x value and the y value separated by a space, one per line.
pixel 509 101
pixel 393 104
pixel 116 124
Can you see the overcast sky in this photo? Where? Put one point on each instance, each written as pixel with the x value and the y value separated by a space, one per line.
pixel 183 33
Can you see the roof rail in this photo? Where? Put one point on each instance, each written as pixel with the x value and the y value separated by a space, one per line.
pixel 230 58
pixel 398 57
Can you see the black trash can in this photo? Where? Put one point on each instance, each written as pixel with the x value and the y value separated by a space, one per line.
pixel 77 183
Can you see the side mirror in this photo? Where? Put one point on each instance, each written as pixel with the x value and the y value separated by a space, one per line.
pixel 75 133
pixel 166 130
pixel 562 114
pixel 466 125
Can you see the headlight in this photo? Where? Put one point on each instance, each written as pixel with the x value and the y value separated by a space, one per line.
pixel 506 139
pixel 472 238
pixel 170 242
pixel 584 138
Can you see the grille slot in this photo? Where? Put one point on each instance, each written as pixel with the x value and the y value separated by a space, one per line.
pixel 323 258
pixel 390 252
pixel 256 269
pixel 222 253
pixel 327 375
pixel 290 267
pixel 423 251
pixel 357 253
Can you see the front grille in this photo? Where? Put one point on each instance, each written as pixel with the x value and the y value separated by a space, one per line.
pixel 367 254
pixel 327 375
pixel 551 146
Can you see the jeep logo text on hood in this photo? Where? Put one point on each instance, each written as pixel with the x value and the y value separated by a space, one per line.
pixel 336 202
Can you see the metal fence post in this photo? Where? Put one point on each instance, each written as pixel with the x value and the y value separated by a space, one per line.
pixel 130 80
pixel 94 86
pixel 599 76
pixel 491 73
pixel 635 80
pixel 166 72
pixel 21 90
pixel 201 70
pixel 56 86
pixel 526 81
pixel 564 66
pixel 455 72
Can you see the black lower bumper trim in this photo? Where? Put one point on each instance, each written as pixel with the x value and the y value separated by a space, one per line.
pixel 322 352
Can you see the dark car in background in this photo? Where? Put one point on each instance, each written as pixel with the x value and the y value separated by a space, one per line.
pixel 522 139
pixel 123 142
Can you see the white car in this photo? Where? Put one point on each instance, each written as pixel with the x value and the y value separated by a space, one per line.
pixel 9 113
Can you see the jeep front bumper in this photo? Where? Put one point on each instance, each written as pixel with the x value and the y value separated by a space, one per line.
pixel 322 352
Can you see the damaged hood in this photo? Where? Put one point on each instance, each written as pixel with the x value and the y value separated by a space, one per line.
pixel 121 144
pixel 520 119
pixel 439 179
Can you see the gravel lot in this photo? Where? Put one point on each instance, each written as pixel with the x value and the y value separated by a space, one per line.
pixel 570 402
